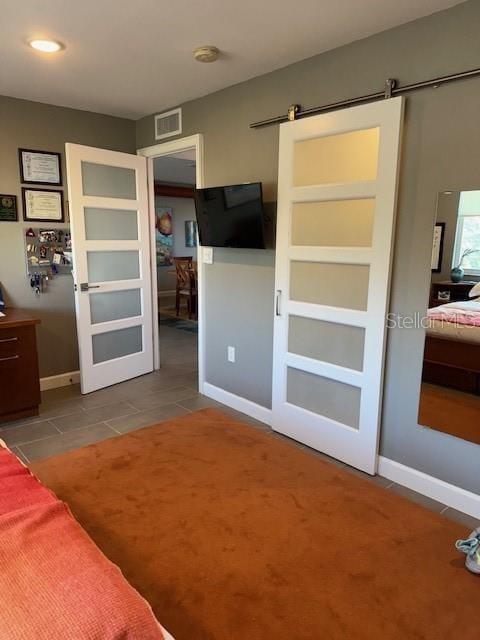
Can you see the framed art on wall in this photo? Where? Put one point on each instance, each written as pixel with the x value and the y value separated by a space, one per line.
pixel 190 233
pixel 164 235
pixel 8 208
pixel 43 205
pixel 437 249
pixel 40 167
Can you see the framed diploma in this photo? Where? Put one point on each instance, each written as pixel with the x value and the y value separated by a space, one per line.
pixel 40 167
pixel 43 205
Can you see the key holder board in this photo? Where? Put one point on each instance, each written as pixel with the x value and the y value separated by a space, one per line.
pixel 48 251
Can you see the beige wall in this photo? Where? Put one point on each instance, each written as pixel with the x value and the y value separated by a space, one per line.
pixel 440 151
pixel 39 126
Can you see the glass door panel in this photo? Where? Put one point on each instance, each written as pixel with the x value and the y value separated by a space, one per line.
pixel 338 344
pixel 110 224
pixel 333 223
pixel 108 182
pixel 114 305
pixel 105 266
pixel 116 344
pixel 324 396
pixel 331 284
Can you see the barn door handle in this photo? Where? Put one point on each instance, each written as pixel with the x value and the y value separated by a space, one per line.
pixel 277 303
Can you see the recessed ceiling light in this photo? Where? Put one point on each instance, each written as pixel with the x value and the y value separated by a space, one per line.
pixel 46 46
pixel 207 53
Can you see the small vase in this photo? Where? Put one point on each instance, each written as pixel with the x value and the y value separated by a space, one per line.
pixel 456 274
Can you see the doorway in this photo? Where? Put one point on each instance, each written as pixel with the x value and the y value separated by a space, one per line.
pixel 175 169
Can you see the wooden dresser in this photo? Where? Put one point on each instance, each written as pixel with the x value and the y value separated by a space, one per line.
pixel 19 380
pixel 458 291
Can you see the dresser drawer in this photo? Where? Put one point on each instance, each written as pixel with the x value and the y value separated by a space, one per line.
pixel 19 383
pixel 17 341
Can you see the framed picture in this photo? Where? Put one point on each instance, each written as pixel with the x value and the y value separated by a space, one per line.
pixel 164 235
pixel 40 167
pixel 190 233
pixel 43 205
pixel 437 249
pixel 8 208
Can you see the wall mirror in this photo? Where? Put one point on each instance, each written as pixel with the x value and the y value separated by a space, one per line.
pixel 450 391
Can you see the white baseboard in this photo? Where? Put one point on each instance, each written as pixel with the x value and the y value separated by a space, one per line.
pixel 252 409
pixel 434 488
pixel 62 380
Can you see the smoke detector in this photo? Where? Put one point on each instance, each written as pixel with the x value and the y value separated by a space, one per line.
pixel 207 53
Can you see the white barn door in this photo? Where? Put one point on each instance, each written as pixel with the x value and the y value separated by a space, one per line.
pixel 111 255
pixel 337 186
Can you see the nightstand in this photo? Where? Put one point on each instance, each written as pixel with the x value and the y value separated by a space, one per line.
pixel 458 291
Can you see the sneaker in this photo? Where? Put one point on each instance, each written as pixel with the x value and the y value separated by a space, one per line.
pixel 471 547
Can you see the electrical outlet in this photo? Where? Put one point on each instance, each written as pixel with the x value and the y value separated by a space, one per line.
pixel 231 354
pixel 208 255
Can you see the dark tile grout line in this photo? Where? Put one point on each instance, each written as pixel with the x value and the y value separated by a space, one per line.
pixel 104 422
pixel 6 427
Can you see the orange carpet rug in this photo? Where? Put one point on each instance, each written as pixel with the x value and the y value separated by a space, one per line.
pixel 234 534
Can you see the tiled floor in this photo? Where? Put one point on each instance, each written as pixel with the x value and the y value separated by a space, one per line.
pixel 69 420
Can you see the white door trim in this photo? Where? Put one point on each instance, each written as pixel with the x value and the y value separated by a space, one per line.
pixel 155 151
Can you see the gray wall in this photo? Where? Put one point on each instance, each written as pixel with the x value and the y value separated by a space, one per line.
pixel 38 126
pixel 441 144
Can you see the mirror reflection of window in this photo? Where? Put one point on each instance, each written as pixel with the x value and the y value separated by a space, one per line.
pixel 450 391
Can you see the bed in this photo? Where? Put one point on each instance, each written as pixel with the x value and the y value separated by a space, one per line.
pixel 452 346
pixel 55 584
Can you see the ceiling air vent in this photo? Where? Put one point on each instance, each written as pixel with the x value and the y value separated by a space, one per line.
pixel 168 124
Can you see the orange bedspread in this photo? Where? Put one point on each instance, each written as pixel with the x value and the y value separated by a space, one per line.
pixel 55 584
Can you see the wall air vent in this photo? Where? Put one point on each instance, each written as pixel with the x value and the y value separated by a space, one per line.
pixel 168 124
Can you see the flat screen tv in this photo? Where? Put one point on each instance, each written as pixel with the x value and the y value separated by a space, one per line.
pixel 231 216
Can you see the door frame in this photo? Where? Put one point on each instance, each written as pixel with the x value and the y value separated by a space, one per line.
pixel 155 151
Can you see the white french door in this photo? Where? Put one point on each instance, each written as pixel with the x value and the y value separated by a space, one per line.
pixel 109 220
pixel 337 184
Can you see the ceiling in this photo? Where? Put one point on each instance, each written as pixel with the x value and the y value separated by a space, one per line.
pixel 134 58
pixel 176 169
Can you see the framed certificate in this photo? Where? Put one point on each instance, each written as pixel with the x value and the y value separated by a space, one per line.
pixel 40 167
pixel 8 208
pixel 43 205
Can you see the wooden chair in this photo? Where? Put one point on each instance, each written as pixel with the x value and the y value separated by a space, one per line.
pixel 186 284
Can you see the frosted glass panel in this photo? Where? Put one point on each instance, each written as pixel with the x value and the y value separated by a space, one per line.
pixel 104 266
pixel 327 341
pixel 329 398
pixel 342 158
pixel 108 182
pixel 110 224
pixel 337 223
pixel 115 344
pixel 335 285
pixel 114 305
